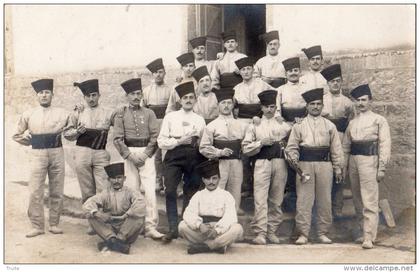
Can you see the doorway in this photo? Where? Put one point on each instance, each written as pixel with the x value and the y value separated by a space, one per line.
pixel 247 20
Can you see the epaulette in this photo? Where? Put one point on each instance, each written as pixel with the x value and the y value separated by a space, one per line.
pixel 120 111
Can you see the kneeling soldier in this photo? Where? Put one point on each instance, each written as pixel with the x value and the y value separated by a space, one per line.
pixel 210 222
pixel 117 214
pixel 264 142
pixel 313 145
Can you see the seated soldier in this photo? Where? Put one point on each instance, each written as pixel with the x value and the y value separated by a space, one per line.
pixel 116 214
pixel 210 222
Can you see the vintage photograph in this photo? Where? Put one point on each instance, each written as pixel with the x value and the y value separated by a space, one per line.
pixel 209 134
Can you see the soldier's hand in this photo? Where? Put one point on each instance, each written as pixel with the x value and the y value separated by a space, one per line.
pixel 185 140
pixel 298 120
pixel 226 152
pixel 27 135
pixel 136 160
pixel 267 141
pixel 81 129
pixel 380 176
pixel 79 107
pixel 204 228
pixel 256 120
pixel 104 217
pixel 339 178
pixel 219 55
pixel 212 234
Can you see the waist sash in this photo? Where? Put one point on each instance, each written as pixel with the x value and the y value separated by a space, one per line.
pixel 289 114
pixel 249 110
pixel 131 142
pixel 159 110
pixel 235 145
pixel 314 153
pixel 50 140
pixel 273 151
pixel 93 138
pixel 340 123
pixel 365 148
pixel 275 83
pixel 194 142
pixel 210 218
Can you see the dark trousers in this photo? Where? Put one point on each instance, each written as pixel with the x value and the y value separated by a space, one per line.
pixel 180 162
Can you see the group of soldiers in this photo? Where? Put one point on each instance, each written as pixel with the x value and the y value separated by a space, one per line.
pixel 225 125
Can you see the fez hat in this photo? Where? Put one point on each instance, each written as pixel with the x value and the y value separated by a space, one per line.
pixel 88 86
pixel 131 85
pixel 43 84
pixel 312 51
pixel 155 65
pixel 269 36
pixel 314 94
pixel 244 62
pixel 229 80
pixel 198 41
pixel 208 168
pixel 185 88
pixel 291 63
pixel 115 169
pixel 185 58
pixel 200 72
pixel 331 72
pixel 267 97
pixel 360 91
pixel 223 93
pixel 228 35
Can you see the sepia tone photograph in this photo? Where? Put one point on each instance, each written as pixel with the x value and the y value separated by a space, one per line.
pixel 209 134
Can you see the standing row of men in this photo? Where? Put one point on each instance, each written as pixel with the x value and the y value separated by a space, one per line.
pixel 236 134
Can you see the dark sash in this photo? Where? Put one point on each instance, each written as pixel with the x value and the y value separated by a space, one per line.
pixel 270 152
pixel 275 83
pixel 235 145
pixel 159 110
pixel 365 148
pixel 314 153
pixel 41 141
pixel 340 123
pixel 289 114
pixel 209 219
pixel 249 110
pixel 142 142
pixel 93 138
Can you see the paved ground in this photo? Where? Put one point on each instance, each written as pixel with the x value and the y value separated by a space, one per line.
pixel 76 247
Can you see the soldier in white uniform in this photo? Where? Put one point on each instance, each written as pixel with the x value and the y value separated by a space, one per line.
pixel 314 145
pixel 313 78
pixel 339 110
pixel 206 104
pixel 156 98
pixel 89 127
pixel 41 127
pixel 367 149
pixel 270 68
pixel 198 45
pixel 187 63
pixel 117 213
pixel 290 103
pixel 210 222
pixel 227 63
pixel 222 140
pixel 264 142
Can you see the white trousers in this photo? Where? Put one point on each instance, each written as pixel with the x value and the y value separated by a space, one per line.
pixel 144 177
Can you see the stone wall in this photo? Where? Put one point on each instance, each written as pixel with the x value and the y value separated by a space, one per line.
pixel 391 75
